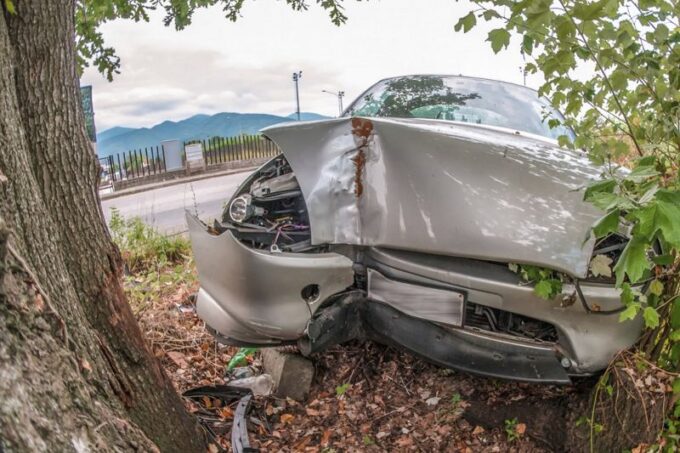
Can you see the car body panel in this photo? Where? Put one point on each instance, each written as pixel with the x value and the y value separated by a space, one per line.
pixel 589 339
pixel 444 188
pixel 255 296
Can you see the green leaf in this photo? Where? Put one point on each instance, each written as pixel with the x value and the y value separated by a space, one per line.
pixel 651 317
pixel 499 39
pixel 466 22
pixel 9 6
pixel 676 385
pixel 341 389
pixel 656 287
pixel 661 214
pixel 632 262
pixel 627 296
pixel 675 314
pixel 543 289
pixel 642 173
pixel 663 260
pixel 527 47
pixel 675 353
pixel 607 224
pixel 607 201
pixel 564 27
pixel 564 141
pixel 490 14
pixel 589 11
pixel 606 186
pixel 647 161
pixel 630 312
pixel 548 288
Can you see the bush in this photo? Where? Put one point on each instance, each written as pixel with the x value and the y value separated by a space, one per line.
pixel 142 246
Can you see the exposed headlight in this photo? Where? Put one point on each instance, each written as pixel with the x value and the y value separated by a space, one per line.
pixel 241 208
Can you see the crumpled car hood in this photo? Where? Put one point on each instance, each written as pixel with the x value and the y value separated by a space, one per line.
pixel 444 188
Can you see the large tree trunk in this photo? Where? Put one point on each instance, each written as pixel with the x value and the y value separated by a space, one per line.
pixel 74 368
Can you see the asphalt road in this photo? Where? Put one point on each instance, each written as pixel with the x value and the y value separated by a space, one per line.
pixel 164 207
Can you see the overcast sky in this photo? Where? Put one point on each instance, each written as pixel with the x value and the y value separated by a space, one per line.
pixel 219 66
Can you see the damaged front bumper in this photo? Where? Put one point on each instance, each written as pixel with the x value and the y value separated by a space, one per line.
pixel 258 297
pixel 261 298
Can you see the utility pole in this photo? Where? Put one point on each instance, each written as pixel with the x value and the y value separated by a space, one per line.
pixel 296 77
pixel 340 95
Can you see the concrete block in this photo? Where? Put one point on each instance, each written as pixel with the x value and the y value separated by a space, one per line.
pixel 292 373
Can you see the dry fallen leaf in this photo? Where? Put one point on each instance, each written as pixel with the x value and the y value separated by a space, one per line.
pixel 287 418
pixel 226 413
pixel 326 438
pixel 477 431
pixel 521 428
pixel 177 358
pixel 601 265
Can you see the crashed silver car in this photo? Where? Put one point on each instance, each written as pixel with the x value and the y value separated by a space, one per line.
pixel 400 222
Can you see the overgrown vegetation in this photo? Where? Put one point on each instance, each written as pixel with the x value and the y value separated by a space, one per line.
pixel 626 111
pixel 143 247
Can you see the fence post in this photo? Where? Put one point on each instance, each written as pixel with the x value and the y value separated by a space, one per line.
pixel 137 166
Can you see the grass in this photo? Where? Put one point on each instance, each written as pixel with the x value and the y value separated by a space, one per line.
pixel 143 247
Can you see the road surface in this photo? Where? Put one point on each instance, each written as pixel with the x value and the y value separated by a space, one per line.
pixel 164 207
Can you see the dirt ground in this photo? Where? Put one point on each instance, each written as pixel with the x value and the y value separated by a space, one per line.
pixel 365 396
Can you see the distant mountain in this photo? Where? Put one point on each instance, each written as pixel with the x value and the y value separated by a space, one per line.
pixel 123 139
pixel 307 116
pixel 113 132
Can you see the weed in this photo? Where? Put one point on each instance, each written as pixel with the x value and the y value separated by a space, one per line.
pixel 341 389
pixel 513 429
pixel 143 247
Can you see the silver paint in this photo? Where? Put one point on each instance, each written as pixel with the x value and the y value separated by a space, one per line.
pixel 443 187
pixel 590 340
pixel 433 304
pixel 254 295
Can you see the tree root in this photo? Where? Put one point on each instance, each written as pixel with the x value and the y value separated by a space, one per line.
pixel 627 407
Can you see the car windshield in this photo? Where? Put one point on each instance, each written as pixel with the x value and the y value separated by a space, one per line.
pixel 464 99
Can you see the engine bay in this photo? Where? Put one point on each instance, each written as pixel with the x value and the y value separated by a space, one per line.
pixel 269 211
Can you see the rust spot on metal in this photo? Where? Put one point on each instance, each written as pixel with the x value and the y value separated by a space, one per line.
pixel 359 163
pixel 361 129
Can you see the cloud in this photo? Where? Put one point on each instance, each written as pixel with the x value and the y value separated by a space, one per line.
pixel 215 65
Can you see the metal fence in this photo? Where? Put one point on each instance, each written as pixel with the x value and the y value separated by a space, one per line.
pixel 139 163
pixel 133 164
pixel 243 147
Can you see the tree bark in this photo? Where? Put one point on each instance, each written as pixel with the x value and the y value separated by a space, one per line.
pixel 74 369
